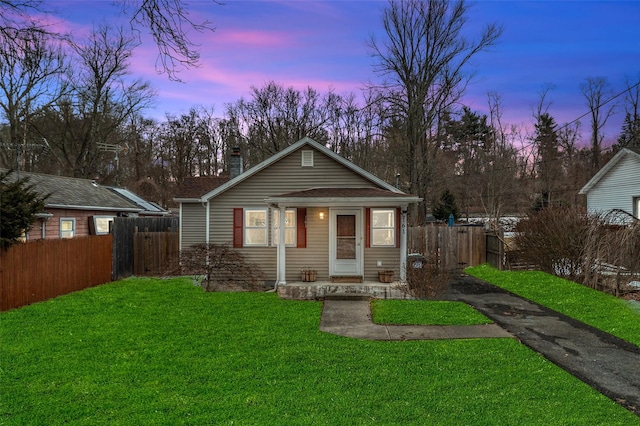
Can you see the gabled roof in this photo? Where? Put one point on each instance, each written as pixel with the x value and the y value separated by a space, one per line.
pixel 275 158
pixel 77 194
pixel 193 188
pixel 607 167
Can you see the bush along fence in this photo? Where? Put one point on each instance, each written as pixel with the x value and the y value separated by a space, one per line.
pixel 42 270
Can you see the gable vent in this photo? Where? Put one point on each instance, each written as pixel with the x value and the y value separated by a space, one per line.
pixel 307 158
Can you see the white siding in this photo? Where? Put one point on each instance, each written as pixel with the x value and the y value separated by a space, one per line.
pixel 617 189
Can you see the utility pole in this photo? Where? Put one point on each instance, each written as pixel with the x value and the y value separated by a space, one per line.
pixel 108 147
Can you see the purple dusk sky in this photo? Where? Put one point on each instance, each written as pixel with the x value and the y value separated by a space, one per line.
pixel 322 44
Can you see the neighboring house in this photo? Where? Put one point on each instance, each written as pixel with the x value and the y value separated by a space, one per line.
pixel 333 216
pixel 617 185
pixel 78 207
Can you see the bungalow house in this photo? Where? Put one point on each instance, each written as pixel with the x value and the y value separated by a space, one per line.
pixel 616 186
pixel 305 207
pixel 79 207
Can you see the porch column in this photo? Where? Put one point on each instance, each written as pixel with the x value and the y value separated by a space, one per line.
pixel 282 262
pixel 207 225
pixel 403 244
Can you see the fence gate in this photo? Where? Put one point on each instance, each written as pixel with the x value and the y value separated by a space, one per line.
pixel 124 229
pixel 455 247
pixel 155 253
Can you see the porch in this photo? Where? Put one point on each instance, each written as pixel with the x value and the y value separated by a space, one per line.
pixel 327 289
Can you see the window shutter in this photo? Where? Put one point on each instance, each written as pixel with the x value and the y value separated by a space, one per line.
pixel 398 220
pixel 301 231
pixel 367 221
pixel 238 214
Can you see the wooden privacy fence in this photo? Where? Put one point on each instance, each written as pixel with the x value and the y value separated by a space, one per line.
pixel 155 253
pixel 124 229
pixel 455 247
pixel 41 270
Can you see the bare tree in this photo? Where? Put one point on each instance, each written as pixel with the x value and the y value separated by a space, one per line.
pixel 275 117
pixel 597 93
pixel 168 22
pixel 31 78
pixel 424 59
pixel 102 101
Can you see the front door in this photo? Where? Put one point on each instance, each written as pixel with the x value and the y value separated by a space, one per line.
pixel 345 244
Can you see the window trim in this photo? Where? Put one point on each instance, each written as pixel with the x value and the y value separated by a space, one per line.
pixel 392 227
pixel 73 227
pixel 245 226
pixel 294 227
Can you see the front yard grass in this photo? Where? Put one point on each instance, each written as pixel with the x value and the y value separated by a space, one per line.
pixel 164 352
pixel 593 307
pixel 425 312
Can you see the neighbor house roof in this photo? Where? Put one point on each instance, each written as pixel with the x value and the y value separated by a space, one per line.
pixel 78 194
pixel 607 167
pixel 147 207
pixel 193 188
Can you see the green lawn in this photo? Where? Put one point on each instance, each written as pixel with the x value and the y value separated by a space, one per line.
pixel 147 351
pixel 590 306
pixel 427 312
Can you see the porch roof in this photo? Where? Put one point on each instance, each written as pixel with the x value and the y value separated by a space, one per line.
pixel 347 196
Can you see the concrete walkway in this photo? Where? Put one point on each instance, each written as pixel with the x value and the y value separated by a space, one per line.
pixel 352 318
pixel 605 362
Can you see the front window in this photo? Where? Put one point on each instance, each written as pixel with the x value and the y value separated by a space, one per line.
pixel 289 224
pixel 67 228
pixel 255 227
pixel 383 227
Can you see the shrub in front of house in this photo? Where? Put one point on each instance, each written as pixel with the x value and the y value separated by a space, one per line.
pixel 426 279
pixel 221 268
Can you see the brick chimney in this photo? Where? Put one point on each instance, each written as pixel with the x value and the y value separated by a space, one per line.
pixel 235 163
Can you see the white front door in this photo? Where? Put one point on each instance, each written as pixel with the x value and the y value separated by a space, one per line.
pixel 345 242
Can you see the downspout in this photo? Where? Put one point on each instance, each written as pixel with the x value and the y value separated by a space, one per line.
pixel 282 262
pixel 207 228
pixel 403 244
pixel 180 226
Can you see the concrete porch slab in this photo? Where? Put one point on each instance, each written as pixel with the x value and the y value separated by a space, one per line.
pixel 325 289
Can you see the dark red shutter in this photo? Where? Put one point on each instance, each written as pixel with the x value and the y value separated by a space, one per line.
pixel 237 227
pixel 301 225
pixel 398 220
pixel 367 226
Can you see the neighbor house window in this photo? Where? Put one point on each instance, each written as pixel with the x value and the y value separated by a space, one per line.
pixel 290 227
pixel 67 227
pixel 383 227
pixel 636 207
pixel 101 224
pixel 255 227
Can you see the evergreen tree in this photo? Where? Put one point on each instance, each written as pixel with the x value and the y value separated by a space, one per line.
pixel 19 204
pixel 445 206
pixel 630 135
pixel 549 167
